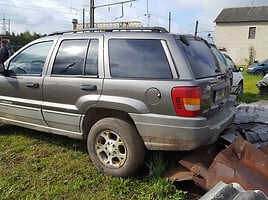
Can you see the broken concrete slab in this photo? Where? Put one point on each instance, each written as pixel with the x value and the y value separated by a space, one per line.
pixel 251 122
pixel 254 112
pixel 222 191
pixel 262 131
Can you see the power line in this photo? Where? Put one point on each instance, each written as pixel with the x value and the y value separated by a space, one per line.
pixel 93 7
pixel 36 8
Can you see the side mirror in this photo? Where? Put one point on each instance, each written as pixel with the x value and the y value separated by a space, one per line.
pixel 2 68
pixel 241 69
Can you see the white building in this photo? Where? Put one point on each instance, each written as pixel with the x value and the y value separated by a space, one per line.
pixel 238 29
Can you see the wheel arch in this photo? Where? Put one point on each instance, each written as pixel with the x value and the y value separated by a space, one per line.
pixel 95 114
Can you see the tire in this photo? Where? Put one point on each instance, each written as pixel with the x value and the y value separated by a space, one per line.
pixel 259 73
pixel 240 89
pixel 115 146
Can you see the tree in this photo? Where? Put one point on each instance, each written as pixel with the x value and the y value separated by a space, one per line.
pixel 251 55
pixel 21 39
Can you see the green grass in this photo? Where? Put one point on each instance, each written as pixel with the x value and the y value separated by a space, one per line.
pixel 35 165
pixel 251 92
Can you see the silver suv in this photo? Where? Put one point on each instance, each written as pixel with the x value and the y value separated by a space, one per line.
pixel 121 90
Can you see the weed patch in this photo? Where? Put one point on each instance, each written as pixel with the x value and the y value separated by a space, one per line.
pixel 251 92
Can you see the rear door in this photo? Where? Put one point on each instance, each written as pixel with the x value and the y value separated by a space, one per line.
pixel 74 82
pixel 21 85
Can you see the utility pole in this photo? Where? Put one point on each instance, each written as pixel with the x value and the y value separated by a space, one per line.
pixel 83 14
pixel 147 13
pixel 93 7
pixel 196 28
pixel 92 14
pixel 169 22
pixel 83 18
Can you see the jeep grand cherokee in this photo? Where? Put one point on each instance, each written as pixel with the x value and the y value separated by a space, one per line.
pixel 121 90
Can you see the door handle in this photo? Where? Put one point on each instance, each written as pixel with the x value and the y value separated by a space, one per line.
pixel 32 85
pixel 88 87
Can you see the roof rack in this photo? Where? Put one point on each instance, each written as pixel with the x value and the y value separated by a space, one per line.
pixel 142 29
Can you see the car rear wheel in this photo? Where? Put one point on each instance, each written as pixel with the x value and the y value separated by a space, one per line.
pixel 259 73
pixel 115 146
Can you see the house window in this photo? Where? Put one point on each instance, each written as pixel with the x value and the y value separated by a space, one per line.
pixel 251 32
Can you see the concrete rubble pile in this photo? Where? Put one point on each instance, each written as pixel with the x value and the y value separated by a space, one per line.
pixel 251 122
pixel 231 191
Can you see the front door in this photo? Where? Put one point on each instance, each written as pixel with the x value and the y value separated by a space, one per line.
pixel 21 85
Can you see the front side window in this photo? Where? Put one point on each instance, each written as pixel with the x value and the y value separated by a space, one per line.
pixel 31 60
pixel 76 57
pixel 265 62
pixel 138 58
pixel 251 32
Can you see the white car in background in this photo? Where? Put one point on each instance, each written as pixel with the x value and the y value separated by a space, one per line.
pixel 238 78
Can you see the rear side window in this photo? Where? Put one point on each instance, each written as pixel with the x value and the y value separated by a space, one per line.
pixel 76 57
pixel 138 58
pixel 201 59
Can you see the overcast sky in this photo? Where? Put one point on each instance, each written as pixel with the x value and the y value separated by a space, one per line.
pixel 46 16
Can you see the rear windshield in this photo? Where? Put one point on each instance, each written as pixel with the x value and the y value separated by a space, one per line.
pixel 200 57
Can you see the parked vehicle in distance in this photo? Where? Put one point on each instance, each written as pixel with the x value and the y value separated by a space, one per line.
pixel 224 64
pixel 238 78
pixel 121 90
pixel 258 68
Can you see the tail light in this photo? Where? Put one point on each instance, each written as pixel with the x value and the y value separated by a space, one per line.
pixel 187 101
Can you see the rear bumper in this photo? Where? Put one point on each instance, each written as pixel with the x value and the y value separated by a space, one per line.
pixel 162 132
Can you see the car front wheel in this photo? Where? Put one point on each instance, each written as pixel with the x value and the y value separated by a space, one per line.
pixel 115 146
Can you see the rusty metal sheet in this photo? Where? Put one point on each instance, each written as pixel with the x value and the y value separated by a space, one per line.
pixel 264 149
pixel 242 163
pixel 180 173
pixel 204 155
pixel 194 166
